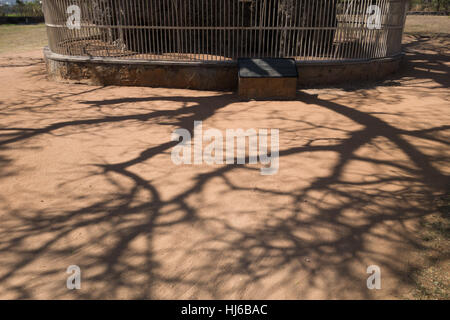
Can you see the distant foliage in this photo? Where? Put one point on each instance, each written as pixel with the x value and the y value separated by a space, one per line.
pixel 22 9
pixel 430 5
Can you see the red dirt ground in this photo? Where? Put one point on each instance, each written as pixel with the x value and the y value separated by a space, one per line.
pixel 86 178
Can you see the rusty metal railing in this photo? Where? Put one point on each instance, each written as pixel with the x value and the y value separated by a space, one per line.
pixel 224 30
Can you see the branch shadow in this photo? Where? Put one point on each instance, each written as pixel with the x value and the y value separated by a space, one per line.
pixel 325 227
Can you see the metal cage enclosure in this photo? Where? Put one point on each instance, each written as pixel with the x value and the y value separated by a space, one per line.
pixel 224 30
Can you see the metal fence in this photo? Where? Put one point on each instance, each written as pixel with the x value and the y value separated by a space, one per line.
pixel 224 30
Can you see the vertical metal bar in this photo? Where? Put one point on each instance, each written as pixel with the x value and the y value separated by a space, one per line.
pixel 220 30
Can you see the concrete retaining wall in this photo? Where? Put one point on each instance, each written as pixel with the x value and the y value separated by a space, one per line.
pixel 203 76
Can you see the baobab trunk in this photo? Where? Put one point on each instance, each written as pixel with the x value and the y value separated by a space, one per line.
pixel 268 27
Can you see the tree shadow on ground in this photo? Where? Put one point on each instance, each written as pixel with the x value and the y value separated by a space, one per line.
pixel 326 227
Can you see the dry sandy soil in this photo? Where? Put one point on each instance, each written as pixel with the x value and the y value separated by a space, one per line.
pixel 86 179
pixel 428 24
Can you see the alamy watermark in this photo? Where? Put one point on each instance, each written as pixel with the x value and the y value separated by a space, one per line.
pixel 209 147
pixel 374 19
pixel 74 280
pixel 374 281
pixel 74 20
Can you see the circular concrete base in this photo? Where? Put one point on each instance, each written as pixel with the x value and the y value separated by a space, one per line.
pixel 204 75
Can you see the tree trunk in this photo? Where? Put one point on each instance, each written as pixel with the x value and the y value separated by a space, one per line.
pixel 182 13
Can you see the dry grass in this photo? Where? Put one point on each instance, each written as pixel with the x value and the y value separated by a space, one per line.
pixel 428 24
pixel 21 38
pixel 432 279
